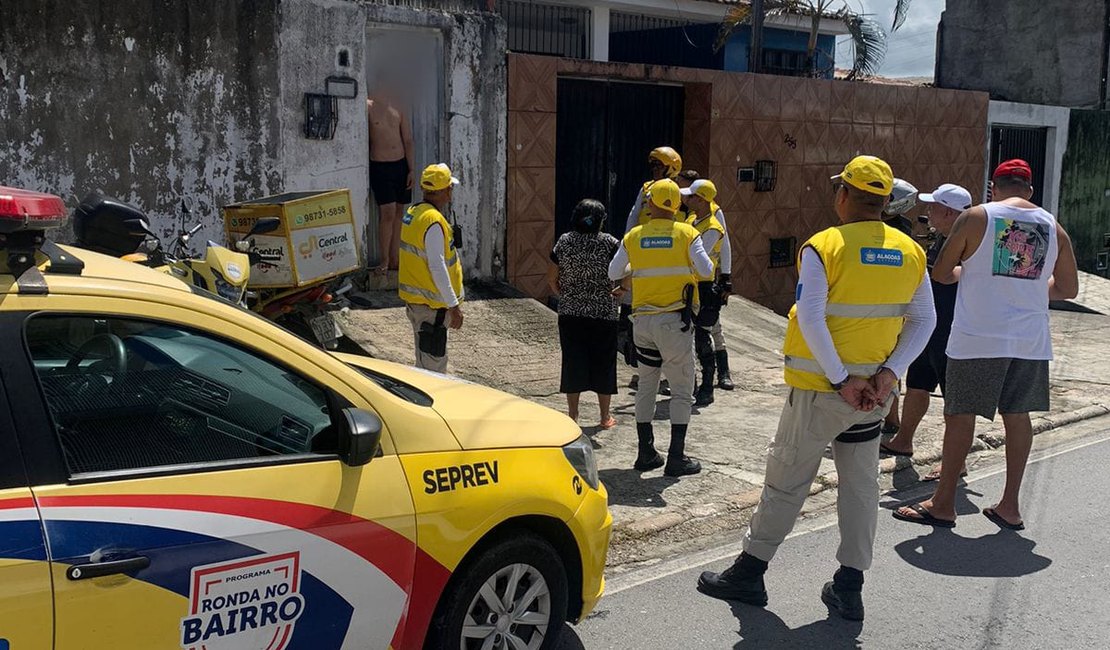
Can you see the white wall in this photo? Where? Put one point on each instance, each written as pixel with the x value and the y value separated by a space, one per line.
pixel 1055 118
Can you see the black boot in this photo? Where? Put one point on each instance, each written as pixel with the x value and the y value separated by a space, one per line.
pixel 678 463
pixel 704 395
pixel 743 581
pixel 844 595
pixel 647 458
pixel 724 379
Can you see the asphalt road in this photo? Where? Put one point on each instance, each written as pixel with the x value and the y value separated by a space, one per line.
pixel 974 586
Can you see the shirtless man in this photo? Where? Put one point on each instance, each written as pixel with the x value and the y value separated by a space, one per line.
pixel 391 167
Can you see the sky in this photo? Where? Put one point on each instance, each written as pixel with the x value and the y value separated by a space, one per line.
pixel 912 49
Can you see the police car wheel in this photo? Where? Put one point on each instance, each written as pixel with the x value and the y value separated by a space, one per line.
pixel 514 595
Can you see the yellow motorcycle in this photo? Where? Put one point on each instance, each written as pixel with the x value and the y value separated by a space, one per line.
pixel 108 226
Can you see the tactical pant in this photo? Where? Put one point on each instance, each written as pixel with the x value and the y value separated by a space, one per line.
pixel 810 422
pixel 418 315
pixel 662 348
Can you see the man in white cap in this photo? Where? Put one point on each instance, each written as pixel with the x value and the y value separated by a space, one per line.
pixel 706 216
pixel 430 273
pixel 926 373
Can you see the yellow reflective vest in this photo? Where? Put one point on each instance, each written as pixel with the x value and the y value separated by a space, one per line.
pixel 659 255
pixel 414 280
pixel 710 223
pixel 873 271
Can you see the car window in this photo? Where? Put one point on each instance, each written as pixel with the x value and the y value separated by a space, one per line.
pixel 130 394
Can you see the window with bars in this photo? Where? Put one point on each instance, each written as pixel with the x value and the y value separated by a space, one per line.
pixel 791 63
pixel 539 28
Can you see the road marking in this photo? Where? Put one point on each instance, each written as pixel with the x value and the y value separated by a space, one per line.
pixel 665 568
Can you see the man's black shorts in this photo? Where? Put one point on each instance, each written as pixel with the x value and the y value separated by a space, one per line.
pixel 389 180
pixel 927 371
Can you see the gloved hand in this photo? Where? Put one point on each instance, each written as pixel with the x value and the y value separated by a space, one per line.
pixel 724 287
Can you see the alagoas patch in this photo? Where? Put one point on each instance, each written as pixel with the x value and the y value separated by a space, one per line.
pixel 249 603
pixel 881 256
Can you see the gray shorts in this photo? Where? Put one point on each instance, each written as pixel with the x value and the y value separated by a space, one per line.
pixel 983 386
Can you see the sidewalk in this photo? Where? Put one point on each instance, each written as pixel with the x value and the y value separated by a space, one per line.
pixel 512 344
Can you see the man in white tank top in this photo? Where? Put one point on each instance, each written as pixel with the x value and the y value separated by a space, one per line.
pixel 1014 258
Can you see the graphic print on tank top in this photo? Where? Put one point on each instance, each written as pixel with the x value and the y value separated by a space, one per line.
pixel 1020 248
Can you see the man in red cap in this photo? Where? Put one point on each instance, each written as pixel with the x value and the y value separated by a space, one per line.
pixel 1014 258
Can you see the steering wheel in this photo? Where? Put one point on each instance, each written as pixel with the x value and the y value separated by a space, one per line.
pixel 117 355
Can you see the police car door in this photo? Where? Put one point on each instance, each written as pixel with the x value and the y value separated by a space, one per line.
pixel 26 603
pixel 202 503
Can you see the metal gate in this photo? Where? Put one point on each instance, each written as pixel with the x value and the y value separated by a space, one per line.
pixel 1027 143
pixel 604 132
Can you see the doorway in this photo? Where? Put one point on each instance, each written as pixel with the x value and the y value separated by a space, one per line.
pixel 604 132
pixel 409 61
pixel 1027 143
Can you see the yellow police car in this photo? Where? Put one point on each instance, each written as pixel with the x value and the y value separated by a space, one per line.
pixel 180 473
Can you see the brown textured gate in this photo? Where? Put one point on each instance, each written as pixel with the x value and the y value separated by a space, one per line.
pixel 604 132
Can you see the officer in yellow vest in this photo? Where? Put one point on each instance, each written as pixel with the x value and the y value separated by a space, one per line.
pixel 706 216
pixel 666 260
pixel 664 162
pixel 430 274
pixel 864 311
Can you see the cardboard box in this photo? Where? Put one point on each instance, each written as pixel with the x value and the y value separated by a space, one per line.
pixel 316 240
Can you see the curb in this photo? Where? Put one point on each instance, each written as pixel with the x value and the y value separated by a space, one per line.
pixel 655 524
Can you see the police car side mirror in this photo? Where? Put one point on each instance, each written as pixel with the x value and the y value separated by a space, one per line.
pixel 360 437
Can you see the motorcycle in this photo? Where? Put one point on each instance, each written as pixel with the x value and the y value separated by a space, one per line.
pixel 108 226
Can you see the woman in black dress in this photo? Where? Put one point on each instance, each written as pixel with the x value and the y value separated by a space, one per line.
pixel 588 312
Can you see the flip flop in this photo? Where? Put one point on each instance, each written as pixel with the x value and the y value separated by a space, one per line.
pixel 608 424
pixel 989 513
pixel 893 452
pixel 934 475
pixel 925 518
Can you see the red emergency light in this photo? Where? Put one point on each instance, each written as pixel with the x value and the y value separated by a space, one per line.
pixel 22 210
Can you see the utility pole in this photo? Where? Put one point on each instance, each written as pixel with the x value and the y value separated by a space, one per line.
pixel 755 56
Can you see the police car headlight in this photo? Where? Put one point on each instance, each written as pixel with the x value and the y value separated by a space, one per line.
pixel 580 454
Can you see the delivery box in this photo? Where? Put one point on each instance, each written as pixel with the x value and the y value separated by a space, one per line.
pixel 316 239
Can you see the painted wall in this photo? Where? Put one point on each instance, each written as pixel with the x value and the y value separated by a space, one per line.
pixel 1033 51
pixel 1085 194
pixel 156 101
pixel 736 50
pixel 147 102
pixel 692 47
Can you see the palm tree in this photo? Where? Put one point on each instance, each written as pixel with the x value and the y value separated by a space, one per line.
pixel 868 38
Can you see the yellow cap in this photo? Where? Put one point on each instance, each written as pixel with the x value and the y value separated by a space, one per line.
pixel 702 187
pixel 869 174
pixel 437 177
pixel 665 194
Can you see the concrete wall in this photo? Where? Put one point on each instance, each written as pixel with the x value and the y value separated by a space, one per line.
pixel 473 127
pixel 154 101
pixel 1033 51
pixel 1055 119
pixel 1085 195
pixel 149 102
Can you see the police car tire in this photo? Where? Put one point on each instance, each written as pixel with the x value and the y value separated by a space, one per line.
pixel 521 548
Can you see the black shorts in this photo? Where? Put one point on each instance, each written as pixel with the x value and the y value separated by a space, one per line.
pixel 388 181
pixel 928 370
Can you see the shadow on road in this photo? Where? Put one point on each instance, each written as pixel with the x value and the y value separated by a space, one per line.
pixel 629 487
pixel 760 628
pixel 911 494
pixel 1004 554
pixel 568 639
